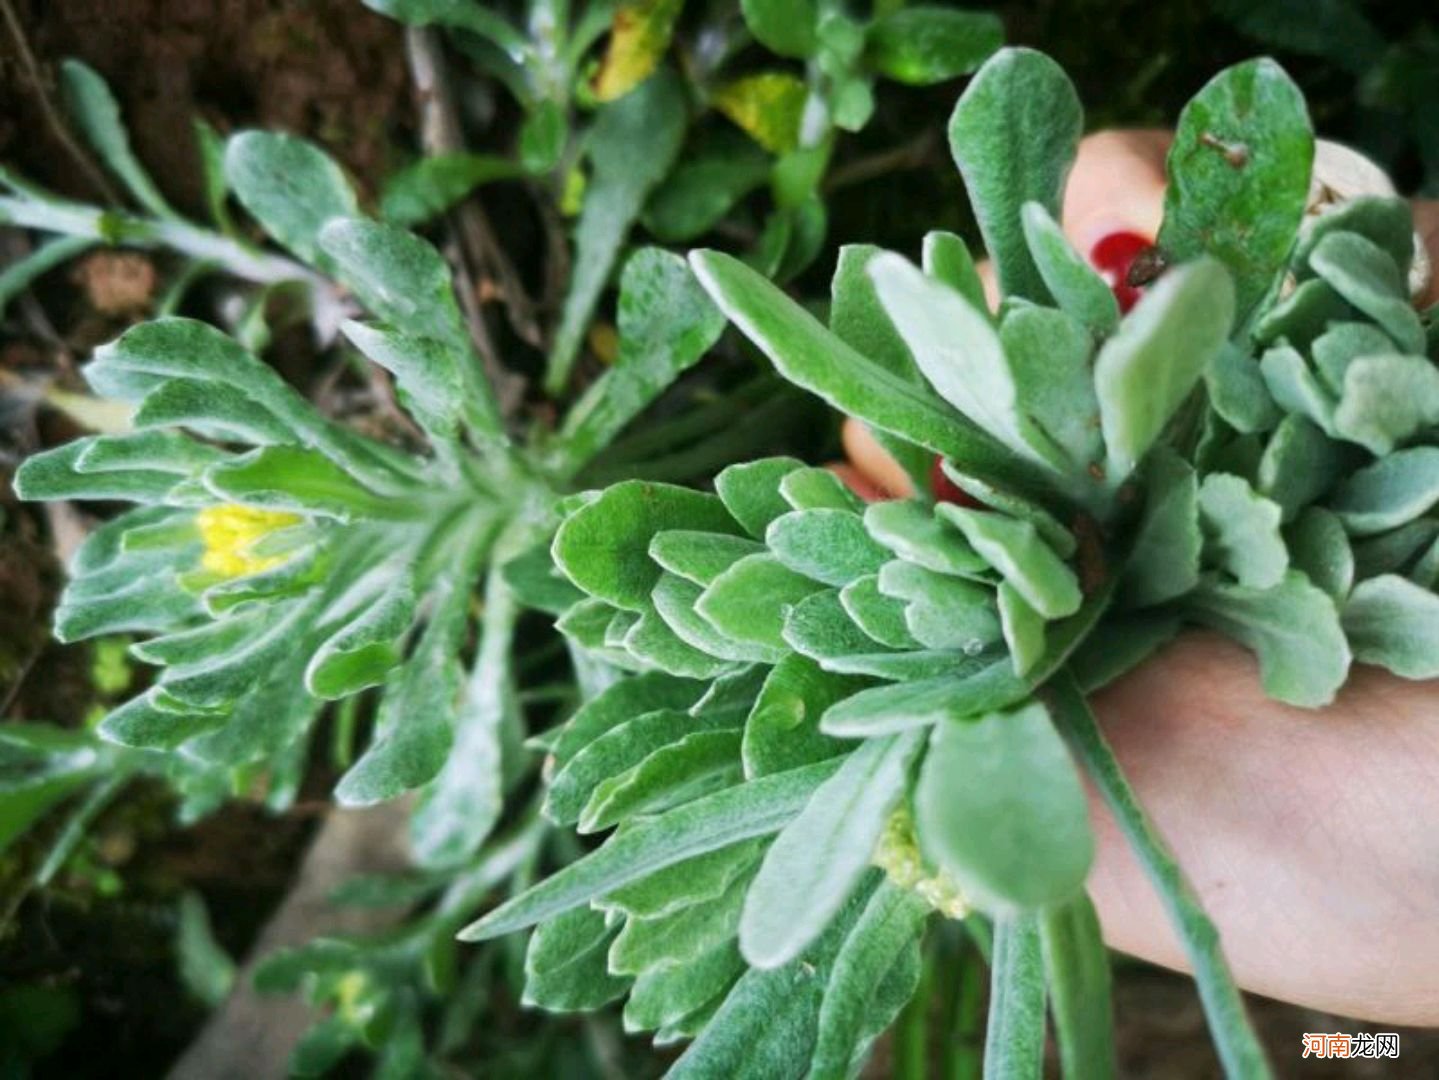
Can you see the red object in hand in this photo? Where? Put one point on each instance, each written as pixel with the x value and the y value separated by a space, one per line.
pixel 1113 256
pixel 946 490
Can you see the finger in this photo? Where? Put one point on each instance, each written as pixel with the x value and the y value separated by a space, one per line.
pixel 1426 225
pixel 1117 185
pixel 858 482
pixel 874 462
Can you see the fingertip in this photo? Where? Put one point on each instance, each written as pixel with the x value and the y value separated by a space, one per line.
pixel 1117 185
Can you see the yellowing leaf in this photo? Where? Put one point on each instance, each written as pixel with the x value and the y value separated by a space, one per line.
pixel 767 106
pixel 639 36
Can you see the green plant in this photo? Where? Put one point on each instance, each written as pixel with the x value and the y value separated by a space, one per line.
pixel 846 718
pixel 278 561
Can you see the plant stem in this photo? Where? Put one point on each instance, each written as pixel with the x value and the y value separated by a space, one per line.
pixel 1239 1048
pixel 113 227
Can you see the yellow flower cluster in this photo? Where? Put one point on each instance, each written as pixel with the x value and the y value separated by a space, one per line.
pixel 231 531
pixel 897 854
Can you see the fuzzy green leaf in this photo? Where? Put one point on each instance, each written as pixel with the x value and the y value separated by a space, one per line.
pixel 290 186
pixel 1075 285
pixel 1014 134
pixel 603 547
pixel 757 808
pixel 819 857
pixel 1021 556
pixel 1390 492
pixel 928 44
pixel 1000 807
pixel 1241 531
pixel 1394 623
pixel 1239 176
pixel 1146 370
pixel 1293 628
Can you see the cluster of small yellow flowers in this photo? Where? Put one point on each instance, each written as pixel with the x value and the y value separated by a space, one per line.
pixel 897 854
pixel 230 531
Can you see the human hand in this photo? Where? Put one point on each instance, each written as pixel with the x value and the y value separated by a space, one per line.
pixel 1312 838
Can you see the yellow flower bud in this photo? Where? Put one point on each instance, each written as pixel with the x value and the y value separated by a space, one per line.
pixel 230 532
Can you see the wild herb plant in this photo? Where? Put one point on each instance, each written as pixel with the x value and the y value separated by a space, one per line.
pixel 277 561
pixel 847 720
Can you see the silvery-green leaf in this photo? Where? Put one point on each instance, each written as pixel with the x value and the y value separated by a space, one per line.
pixel 1295 388
pixel 942 612
pixel 912 531
pixel 620 748
pixel 749 601
pixel 699 763
pixel 1365 275
pixel 1023 629
pixel 1001 809
pixel 897 666
pixel 817 489
pixel 427 378
pixel 1014 134
pixel 757 808
pixel 1344 342
pixel 653 641
pixel 1386 399
pixel 1021 556
pixel 1391 551
pixel 1164 559
pixel 1015 505
pixel 1390 492
pixel 750 492
pixel 1241 531
pixel 820 628
pixel 565 968
pixel 139 723
pixel 811 357
pixel 883 944
pixel 782 729
pixel 1299 464
pixel 859 319
pixel 1237 391
pixel 52 474
pixel 819 857
pixel 830 546
pixel 652 117
pixel 960 354
pixel 666 323
pixel 1293 628
pixel 1239 176
pixel 881 617
pixel 674 601
pixel 976 685
pixel 1076 964
pixel 666 995
pixel 1075 285
pixel 1049 354
pixel 603 547
pixel 703 877
pixel 1385 221
pixel 1302 316
pixel 1319 547
pixel 363 649
pixel 768 1022
pixel 700 557
pixel 96 113
pixel 290 186
pixel 680 937
pixel 927 44
pixel 946 258
pixel 1014 1036
pixel 1146 370
pixel 1394 623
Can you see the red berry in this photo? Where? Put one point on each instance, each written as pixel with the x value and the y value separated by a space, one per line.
pixel 946 490
pixel 1113 256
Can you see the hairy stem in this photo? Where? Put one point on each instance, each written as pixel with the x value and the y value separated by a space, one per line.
pixel 1239 1048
